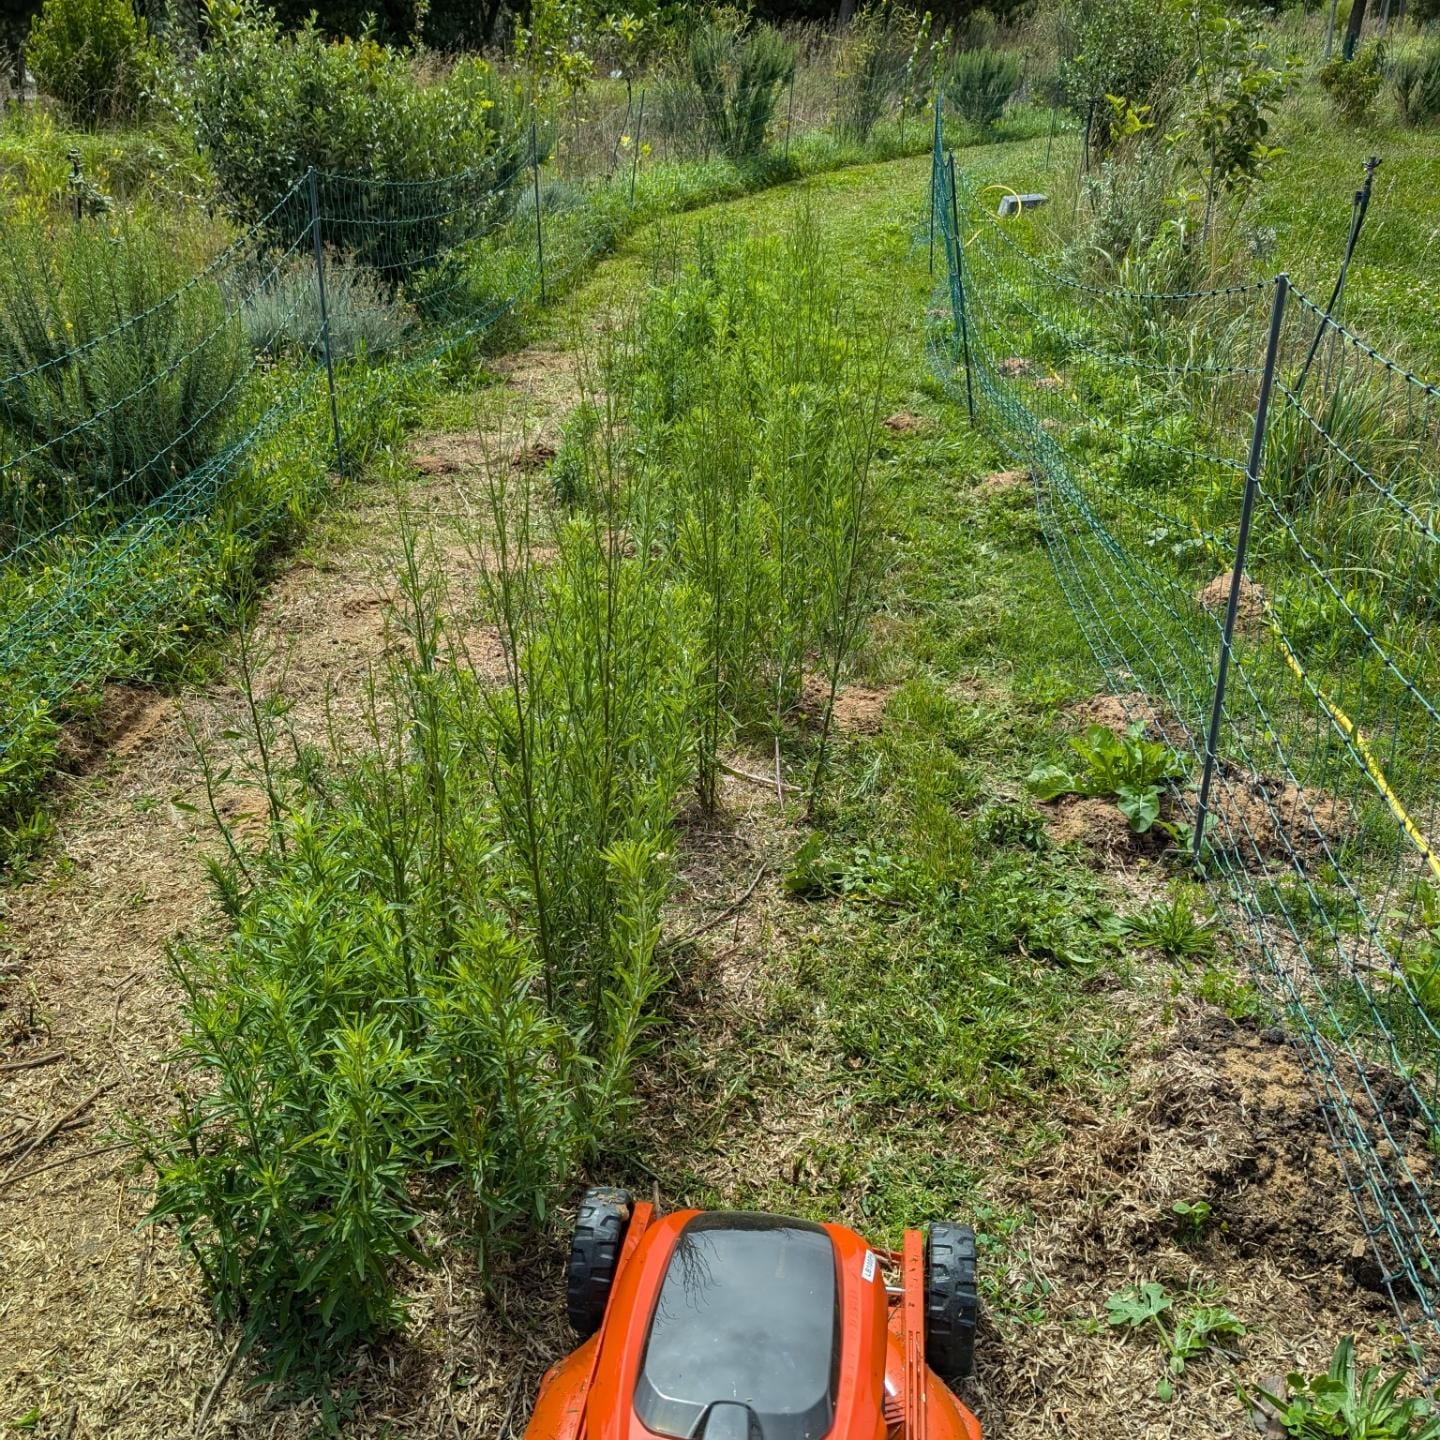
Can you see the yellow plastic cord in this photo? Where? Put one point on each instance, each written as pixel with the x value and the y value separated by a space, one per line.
pixel 1362 747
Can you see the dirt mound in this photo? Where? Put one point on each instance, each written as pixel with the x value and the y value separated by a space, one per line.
pixel 1117 713
pixel 1089 820
pixel 1218 1112
pixel 905 422
pixel 1050 382
pixel 536 455
pixel 1250 604
pixel 1012 367
pixel 127 719
pixel 1001 482
pixel 1264 818
pixel 859 709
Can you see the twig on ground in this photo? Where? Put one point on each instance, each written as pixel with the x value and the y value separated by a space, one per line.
pixel 120 990
pixel 72 1160
pixel 779 782
pixel 681 941
pixel 34 1062
pixel 754 779
pixel 53 1129
pixel 224 1375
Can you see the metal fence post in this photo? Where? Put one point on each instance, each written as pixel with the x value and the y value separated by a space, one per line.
pixel 957 294
pixel 934 173
pixel 539 227
pixel 1242 542
pixel 314 188
pixel 635 158
pixel 1359 206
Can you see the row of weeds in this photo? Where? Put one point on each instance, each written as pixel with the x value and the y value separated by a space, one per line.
pixel 442 962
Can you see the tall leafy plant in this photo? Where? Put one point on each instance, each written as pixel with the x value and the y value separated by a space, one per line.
pixel 123 368
pixel 738 72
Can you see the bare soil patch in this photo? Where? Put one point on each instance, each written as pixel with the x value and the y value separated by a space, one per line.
pixel 905 422
pixel 1012 367
pixel 1003 482
pixel 1250 602
pixel 1268 819
pixel 1219 1112
pixel 859 709
pixel 1117 713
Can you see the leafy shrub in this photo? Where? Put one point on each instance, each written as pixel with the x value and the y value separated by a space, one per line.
pixel 427 998
pixel 1413 71
pixel 1131 49
pixel 282 311
pixel 123 365
pixel 267 106
pixel 737 74
pixel 1354 85
pixel 93 56
pixel 979 84
pixel 872 69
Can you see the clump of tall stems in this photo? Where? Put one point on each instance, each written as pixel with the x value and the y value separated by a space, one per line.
pixel 443 957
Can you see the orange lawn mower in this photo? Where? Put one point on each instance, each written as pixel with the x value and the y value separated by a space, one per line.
pixel 716 1325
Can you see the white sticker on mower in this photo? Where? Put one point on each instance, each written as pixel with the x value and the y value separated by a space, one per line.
pixel 867 1271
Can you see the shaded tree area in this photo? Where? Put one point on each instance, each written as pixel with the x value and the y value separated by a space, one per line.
pixel 479 24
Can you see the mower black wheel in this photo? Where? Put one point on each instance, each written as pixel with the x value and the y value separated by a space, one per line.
pixel 594 1253
pixel 952 1302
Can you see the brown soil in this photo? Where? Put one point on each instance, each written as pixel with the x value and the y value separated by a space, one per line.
pixel 124 722
pixel 1050 382
pixel 1002 482
pixel 1117 713
pixel 1089 821
pixel 859 709
pixel 1264 819
pixel 905 422
pixel 1219 1112
pixel 1012 367
pixel 1250 604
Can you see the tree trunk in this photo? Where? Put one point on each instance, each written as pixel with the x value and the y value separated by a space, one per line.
pixel 847 10
pixel 1352 30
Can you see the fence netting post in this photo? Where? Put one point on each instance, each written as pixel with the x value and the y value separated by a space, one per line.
pixel 539 227
pixel 934 178
pixel 957 288
pixel 325 346
pixel 1242 542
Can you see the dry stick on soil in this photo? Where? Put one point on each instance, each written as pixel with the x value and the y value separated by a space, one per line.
pixel 224 1375
pixel 54 1128
pixel 36 1061
pixel 72 1160
pixel 78 1123
pixel 681 941
pixel 765 780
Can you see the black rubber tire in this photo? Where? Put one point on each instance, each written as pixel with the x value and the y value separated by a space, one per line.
pixel 595 1245
pixel 952 1302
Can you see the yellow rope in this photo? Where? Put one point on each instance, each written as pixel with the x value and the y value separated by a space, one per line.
pixel 1362 747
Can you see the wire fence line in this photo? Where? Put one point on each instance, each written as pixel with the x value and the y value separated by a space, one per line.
pixel 185 436
pixel 149 462
pixel 1240 497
